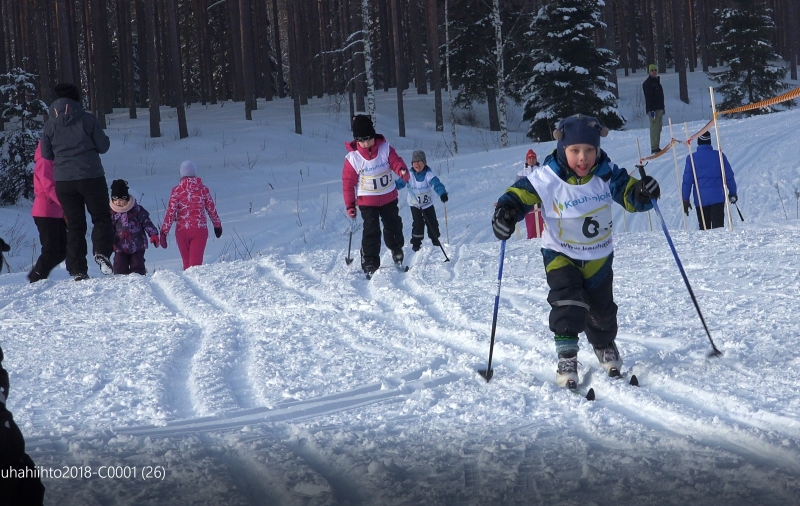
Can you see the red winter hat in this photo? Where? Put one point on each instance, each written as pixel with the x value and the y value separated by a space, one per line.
pixel 530 153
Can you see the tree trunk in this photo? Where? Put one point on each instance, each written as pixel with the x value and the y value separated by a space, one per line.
pixel 294 71
pixel 398 68
pixel 276 30
pixel 647 28
pixel 791 22
pixel 624 43
pixel 689 34
pixel 64 48
pixel 702 26
pixel 384 32
pixel 248 61
pixel 175 67
pixel 449 81
pixel 141 51
pixel 660 42
pixel 607 41
pixel 40 21
pixel 680 60
pixel 501 78
pixel 370 82
pixel 3 66
pixel 491 102
pixel 433 51
pixel 104 91
pixel 152 71
pixel 126 54
pixel 89 57
pixel 633 42
pixel 420 79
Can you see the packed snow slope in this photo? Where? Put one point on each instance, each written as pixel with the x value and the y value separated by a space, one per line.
pixel 277 375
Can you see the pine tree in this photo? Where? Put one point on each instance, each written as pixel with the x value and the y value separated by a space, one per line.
pixel 745 36
pixel 23 113
pixel 570 74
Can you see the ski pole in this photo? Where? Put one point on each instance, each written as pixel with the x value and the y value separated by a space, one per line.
pixel 446 226
pixel 715 352
pixel 738 211
pixel 446 259
pixel 347 259
pixel 488 372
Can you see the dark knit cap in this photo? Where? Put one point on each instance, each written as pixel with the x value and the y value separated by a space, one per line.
pixel 119 189
pixel 67 90
pixel 419 156
pixel 578 129
pixel 705 138
pixel 362 127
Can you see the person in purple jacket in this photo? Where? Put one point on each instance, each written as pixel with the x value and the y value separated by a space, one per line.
pixel 132 227
pixel 49 219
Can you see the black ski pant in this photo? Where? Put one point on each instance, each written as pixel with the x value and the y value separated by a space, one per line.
pixel 53 236
pixel 389 214
pixel 76 198
pixel 582 304
pixel 714 216
pixel 423 217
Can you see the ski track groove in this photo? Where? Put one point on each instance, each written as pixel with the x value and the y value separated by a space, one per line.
pixel 211 379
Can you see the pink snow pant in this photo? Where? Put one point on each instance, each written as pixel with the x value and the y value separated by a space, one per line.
pixel 191 244
pixel 534 222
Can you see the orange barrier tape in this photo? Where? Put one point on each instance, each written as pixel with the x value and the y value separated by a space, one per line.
pixel 660 153
pixel 789 95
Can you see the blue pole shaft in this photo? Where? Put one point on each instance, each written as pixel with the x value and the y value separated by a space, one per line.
pixel 496 302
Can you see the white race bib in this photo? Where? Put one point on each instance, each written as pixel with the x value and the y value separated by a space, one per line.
pixel 578 217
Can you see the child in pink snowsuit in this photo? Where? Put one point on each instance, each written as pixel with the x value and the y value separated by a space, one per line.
pixel 188 205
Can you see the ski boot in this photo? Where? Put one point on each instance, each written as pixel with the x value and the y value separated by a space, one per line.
pixel 609 358
pixel 567 373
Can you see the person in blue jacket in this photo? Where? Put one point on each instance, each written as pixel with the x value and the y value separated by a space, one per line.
pixel 576 187
pixel 421 186
pixel 710 204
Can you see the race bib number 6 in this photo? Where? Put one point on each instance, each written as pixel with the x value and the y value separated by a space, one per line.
pixel 376 183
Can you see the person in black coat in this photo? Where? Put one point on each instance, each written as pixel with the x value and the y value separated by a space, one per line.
pixel 4 248
pixel 654 105
pixel 20 484
pixel 74 140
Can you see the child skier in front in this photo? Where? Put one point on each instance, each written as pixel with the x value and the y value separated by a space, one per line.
pixel 421 185
pixel 132 227
pixel 575 187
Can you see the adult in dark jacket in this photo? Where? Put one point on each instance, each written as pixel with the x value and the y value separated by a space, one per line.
pixel 19 485
pixel 710 204
pixel 4 248
pixel 654 106
pixel 74 140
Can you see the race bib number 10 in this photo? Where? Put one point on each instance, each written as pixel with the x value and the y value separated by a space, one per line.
pixel 376 183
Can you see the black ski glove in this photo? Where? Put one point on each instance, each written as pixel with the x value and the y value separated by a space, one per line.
pixel 646 189
pixel 686 206
pixel 218 232
pixel 443 197
pixel 503 222
pixel 733 199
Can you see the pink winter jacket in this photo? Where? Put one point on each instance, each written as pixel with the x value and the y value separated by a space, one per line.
pixel 45 202
pixel 350 176
pixel 187 207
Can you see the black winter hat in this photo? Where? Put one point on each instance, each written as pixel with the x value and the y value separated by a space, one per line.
pixel 578 129
pixel 705 138
pixel 362 127
pixel 119 189
pixel 67 90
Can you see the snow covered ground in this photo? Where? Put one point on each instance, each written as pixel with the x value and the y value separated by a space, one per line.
pixel 277 375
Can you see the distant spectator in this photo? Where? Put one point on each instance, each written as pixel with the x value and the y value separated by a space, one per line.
pixel 534 221
pixel 132 227
pixel 49 219
pixel 4 248
pixel 654 105
pixel 74 140
pixel 188 204
pixel 711 195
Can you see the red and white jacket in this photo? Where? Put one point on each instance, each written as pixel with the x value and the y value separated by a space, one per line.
pixel 45 202
pixel 368 174
pixel 188 204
